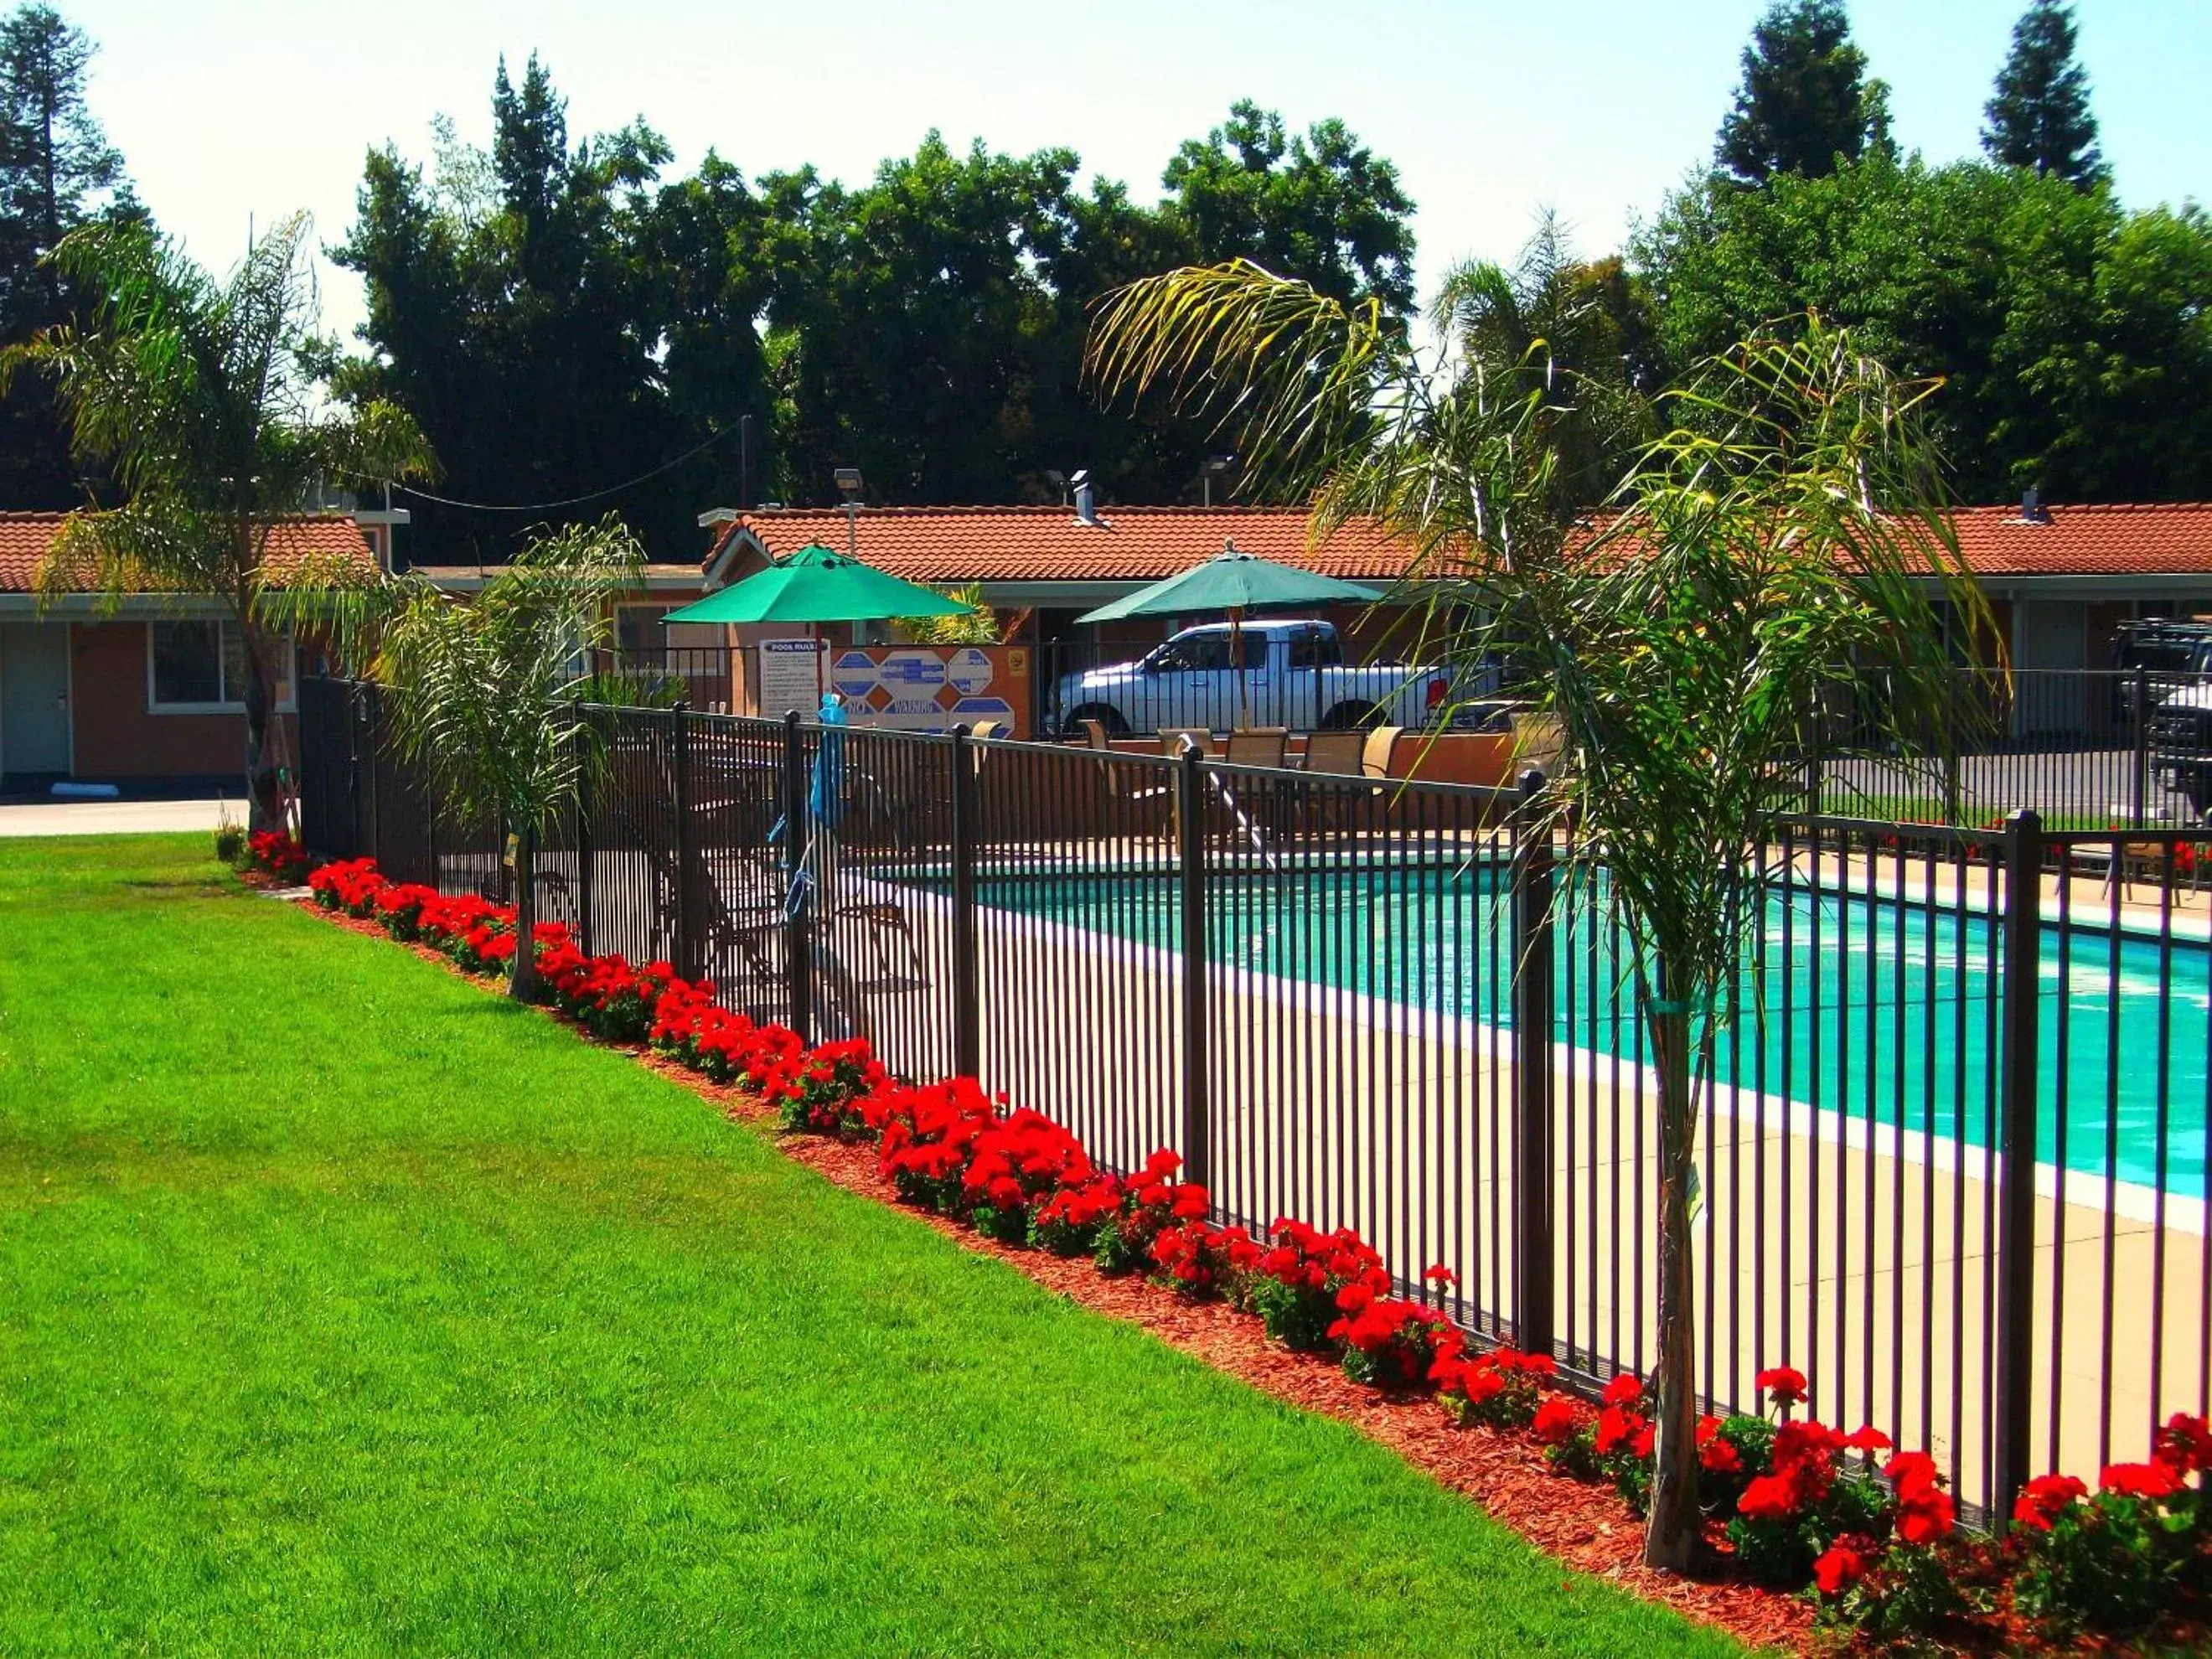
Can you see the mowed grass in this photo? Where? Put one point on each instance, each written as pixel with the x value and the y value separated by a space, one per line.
pixel 346 1309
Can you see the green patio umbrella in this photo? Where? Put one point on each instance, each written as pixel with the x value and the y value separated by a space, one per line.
pixel 1235 581
pixel 817 584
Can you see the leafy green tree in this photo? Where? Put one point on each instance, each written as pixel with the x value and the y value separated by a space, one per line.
pixel 510 306
pixel 917 302
pixel 200 397
pixel 2073 335
pixel 563 318
pixel 1782 543
pixel 57 170
pixel 1321 206
pixel 2038 115
pixel 1805 102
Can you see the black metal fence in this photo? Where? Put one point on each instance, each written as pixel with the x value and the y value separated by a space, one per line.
pixel 2085 748
pixel 1952 1153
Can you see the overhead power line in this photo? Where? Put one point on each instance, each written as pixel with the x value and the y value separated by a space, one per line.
pixel 572 500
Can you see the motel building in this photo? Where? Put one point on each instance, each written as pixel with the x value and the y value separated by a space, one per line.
pixel 141 693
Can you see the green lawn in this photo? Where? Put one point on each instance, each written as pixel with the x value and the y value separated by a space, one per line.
pixel 344 1308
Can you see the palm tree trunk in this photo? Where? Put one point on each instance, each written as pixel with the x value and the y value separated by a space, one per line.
pixel 522 974
pixel 1673 1535
pixel 264 789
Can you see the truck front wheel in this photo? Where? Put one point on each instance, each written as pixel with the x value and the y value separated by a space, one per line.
pixel 1349 716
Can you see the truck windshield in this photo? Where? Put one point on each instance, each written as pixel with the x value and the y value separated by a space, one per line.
pixel 1194 653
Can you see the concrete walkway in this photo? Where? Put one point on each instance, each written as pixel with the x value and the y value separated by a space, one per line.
pixel 113 818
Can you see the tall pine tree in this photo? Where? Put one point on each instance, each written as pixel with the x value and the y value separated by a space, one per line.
pixel 1805 101
pixel 2039 112
pixel 56 169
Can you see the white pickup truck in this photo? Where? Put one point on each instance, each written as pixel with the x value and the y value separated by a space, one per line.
pixel 1294 676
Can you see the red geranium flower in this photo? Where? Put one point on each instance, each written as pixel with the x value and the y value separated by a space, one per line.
pixel 2044 1498
pixel 1556 1422
pixel 1625 1389
pixel 1768 1498
pixel 2139 1480
pixel 1842 1566
pixel 1784 1383
pixel 1617 1427
pixel 1719 1456
pixel 2184 1444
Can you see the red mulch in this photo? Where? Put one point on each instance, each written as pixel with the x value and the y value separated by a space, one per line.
pixel 1585 1527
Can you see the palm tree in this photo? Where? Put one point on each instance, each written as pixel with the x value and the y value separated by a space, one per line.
pixel 201 398
pixel 1584 331
pixel 1782 543
pixel 484 689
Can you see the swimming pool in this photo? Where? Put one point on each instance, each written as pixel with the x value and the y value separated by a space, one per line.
pixel 1878 1009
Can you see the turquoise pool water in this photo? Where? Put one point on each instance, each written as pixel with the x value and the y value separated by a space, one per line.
pixel 1863 1005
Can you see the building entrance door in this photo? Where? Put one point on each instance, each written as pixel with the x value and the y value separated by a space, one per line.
pixel 34 712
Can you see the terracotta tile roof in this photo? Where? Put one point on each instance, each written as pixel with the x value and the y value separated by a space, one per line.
pixel 945 544
pixel 25 537
pixel 2164 538
pixel 1050 544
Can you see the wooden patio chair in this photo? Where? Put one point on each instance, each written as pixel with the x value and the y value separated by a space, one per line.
pixel 1258 745
pixel 2155 862
pixel 1342 750
pixel 1379 749
pixel 1171 738
pixel 1130 784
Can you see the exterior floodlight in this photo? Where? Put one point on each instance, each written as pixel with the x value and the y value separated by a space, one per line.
pixel 848 481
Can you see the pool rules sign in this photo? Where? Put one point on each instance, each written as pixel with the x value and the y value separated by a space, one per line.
pixel 791 677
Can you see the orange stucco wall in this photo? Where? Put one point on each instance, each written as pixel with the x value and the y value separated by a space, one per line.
pixel 117 736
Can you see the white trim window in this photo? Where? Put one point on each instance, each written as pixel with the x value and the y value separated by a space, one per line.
pixel 198 667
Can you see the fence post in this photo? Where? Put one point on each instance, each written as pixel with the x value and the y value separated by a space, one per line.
pixel 966 983
pixel 365 769
pixel 2141 780
pixel 1532 1069
pixel 685 950
pixel 798 941
pixel 2015 1243
pixel 584 858
pixel 1190 838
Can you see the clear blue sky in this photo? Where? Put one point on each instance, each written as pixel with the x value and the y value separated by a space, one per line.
pixel 1490 108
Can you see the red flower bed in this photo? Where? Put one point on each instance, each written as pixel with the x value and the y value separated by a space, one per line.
pixel 277 852
pixel 1799 1505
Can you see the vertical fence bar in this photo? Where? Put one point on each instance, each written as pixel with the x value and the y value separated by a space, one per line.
pixel 1190 835
pixel 2139 779
pixel 967 991
pixel 2016 1311
pixel 1532 1069
pixel 798 943
pixel 687 848
pixel 585 765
